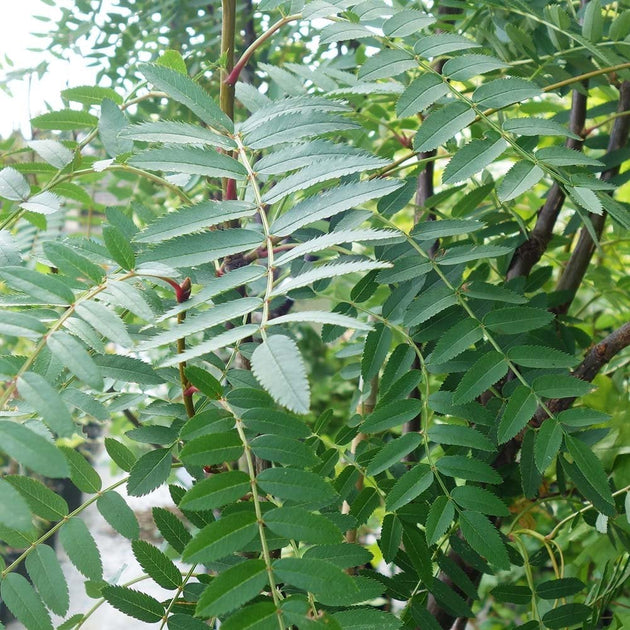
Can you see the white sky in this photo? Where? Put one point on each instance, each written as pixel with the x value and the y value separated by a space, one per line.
pixel 16 27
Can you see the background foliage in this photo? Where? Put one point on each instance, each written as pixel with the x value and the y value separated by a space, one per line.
pixel 366 314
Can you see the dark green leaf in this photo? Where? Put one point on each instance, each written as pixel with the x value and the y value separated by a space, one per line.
pixel 566 615
pixel 149 472
pixel 22 600
pixel 483 537
pixel 439 520
pixel 301 525
pixel 48 578
pixel 479 500
pixel 81 548
pixel 467 468
pixel 118 514
pixel 442 125
pixel 485 372
pixel 82 473
pixel 297 485
pixel 563 587
pixel 547 444
pixel 156 564
pixel 171 528
pixel 520 408
pixel 209 450
pixel 134 603
pixel 41 499
pixel 216 491
pixel 411 485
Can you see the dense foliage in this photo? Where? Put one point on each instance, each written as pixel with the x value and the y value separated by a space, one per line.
pixel 366 314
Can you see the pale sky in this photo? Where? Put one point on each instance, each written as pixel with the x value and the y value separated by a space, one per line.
pixel 16 26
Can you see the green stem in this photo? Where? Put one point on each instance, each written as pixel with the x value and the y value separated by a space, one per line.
pixel 178 592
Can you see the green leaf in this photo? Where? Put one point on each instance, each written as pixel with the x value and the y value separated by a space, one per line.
pixel 279 368
pixel 126 296
pixel 185 91
pixel 52 152
pixel 81 548
pixel 566 615
pixel 483 537
pixel 457 339
pixel 232 588
pixel 332 202
pixel 582 417
pixel 320 577
pixel 344 555
pixel 556 589
pixel 118 514
pixel 260 616
pixel 216 491
pixel 110 124
pixel 472 158
pixel 118 246
pixel 284 450
pixel 366 618
pixel 43 397
pixel 149 472
pixel 299 524
pixel 156 564
pixel 90 94
pixel 127 369
pixel 540 357
pixel 407 22
pixel 41 499
pixel 479 500
pixel 591 467
pixel 293 484
pixel 14 510
pixel 593 23
pixel 104 321
pixel 48 578
pixel 466 67
pixel 469 469
pixel 585 198
pixel 276 423
pixel 21 325
pixel 342 31
pixel 547 444
pixel 72 355
pixel 221 538
pixel 65 120
pixel 430 303
pixel 209 450
pixel 530 476
pixel 465 253
pixel 561 386
pixel 171 528
pixel 182 621
pixel 439 519
pixel 485 372
pixel 321 317
pixel 377 344
pixel 176 132
pixel 430 230
pixel 503 92
pixel 459 435
pixel 190 160
pixel 392 415
pixel 518 412
pixel 22 600
pixel 120 454
pixel 43 287
pixel 13 185
pixel 442 125
pixel 537 127
pixel 82 474
pixel 418 552
pixel 520 178
pixel 198 249
pixel 517 319
pixel 411 485
pixel 391 537
pixel 388 62
pixel 134 603
pixel 564 156
pixel 32 450
pixel 393 452
pixel 432 46
pixel 512 594
pixel 72 263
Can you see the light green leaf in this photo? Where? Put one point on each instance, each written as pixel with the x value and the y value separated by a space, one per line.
pixel 90 94
pixel 411 485
pixel 432 46
pixel 42 287
pixel 221 538
pixel 460 436
pixel 81 548
pixel 82 473
pixel 118 514
pixel 13 185
pixel 439 519
pixel 472 158
pixel 279 368
pixel 518 412
pixel 513 320
pixel 564 156
pixel 469 469
pixel 156 564
pixel 421 93
pixel 537 127
pixel 344 555
pixel 486 371
pixel 127 369
pixel 134 603
pixel 483 537
pixel 293 484
pixel 48 578
pixel 43 397
pixel 52 152
pixel 216 491
pixel 442 125
pixel 126 296
pixel 479 500
pixel 332 202
pixel 407 22
pixel 176 132
pixel 321 317
pixel 232 588
pixel 393 452
pixel 466 67
pixel 118 246
pixel 585 198
pixel 299 524
pixel 15 324
pixel 503 92
pixel 22 600
pixel 110 124
pixel 377 344
pixel 72 263
pixel 185 91
pixel 32 450
pixel 14 510
pixel 343 31
pixel 40 498
pixel 73 355
pixel 386 63
pixel 198 249
pixel 42 203
pixel 204 382
pixel 65 120
pixel 149 472
pixel 212 449
pixel 190 160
